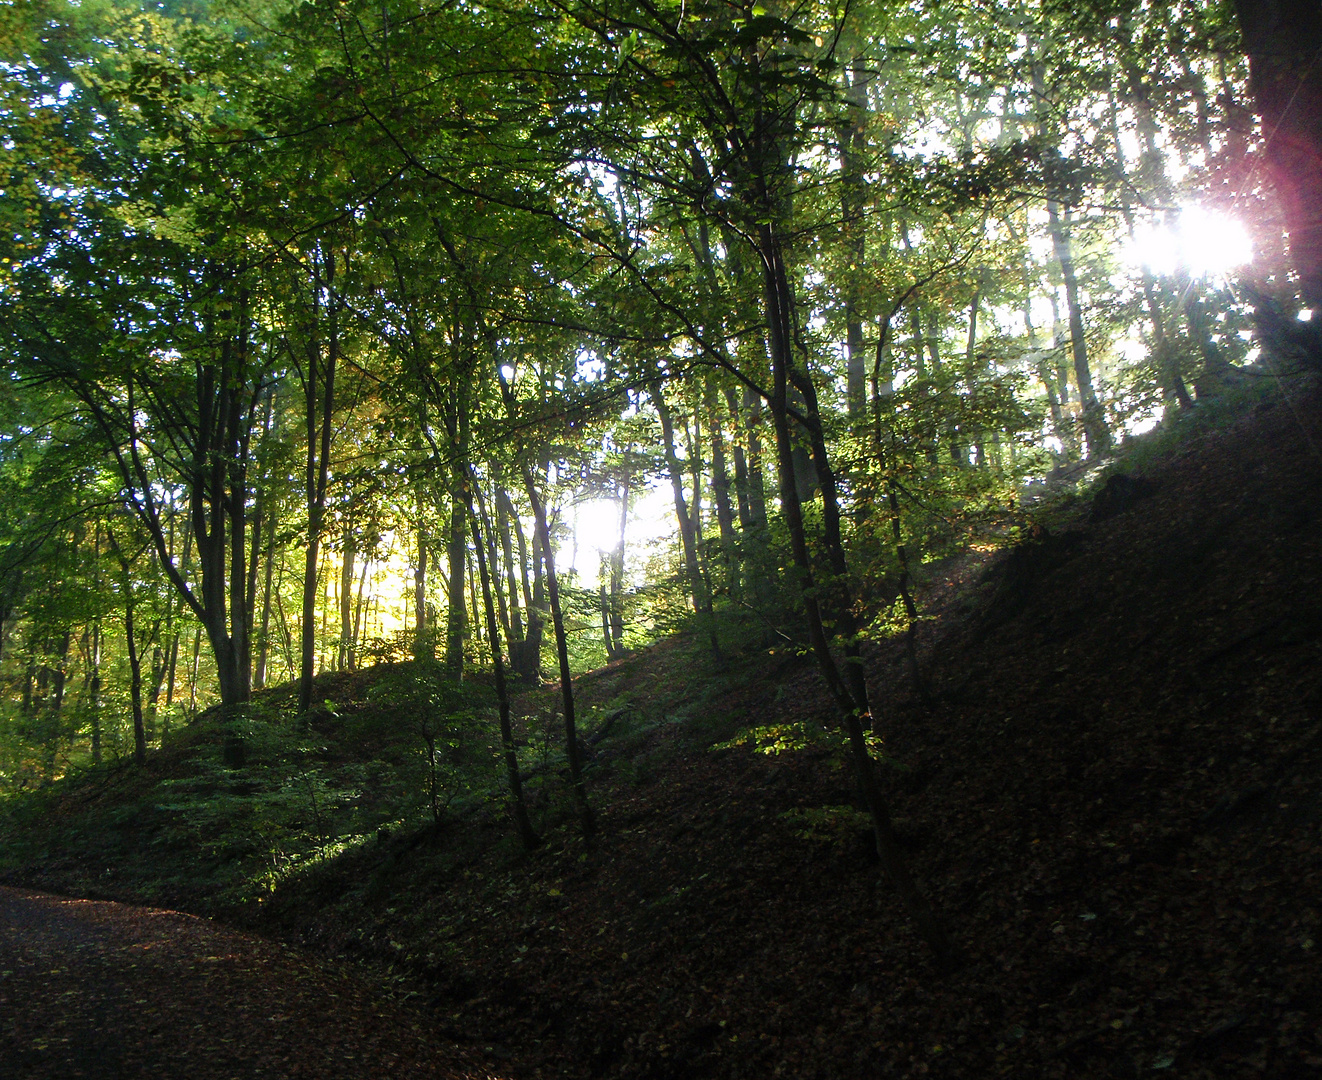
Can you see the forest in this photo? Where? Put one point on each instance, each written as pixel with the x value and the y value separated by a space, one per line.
pixel 379 371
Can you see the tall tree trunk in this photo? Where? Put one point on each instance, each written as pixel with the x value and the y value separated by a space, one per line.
pixel 157 669
pixel 350 545
pixel 853 140
pixel 529 664
pixel 740 463
pixel 94 693
pixel 1091 416
pixel 130 637
pixel 135 680
pixel 972 372
pixel 587 818
pixel 420 582
pixel 473 612
pixel 260 501
pixel 1281 39
pixel 264 639
pixel 615 629
pixel 503 514
pixel 319 401
pixel 358 611
pixel 519 806
pixel 849 691
pixel 192 673
pixel 687 530
pixel 456 616
pixel 693 450
pixel 493 561
pixel 720 485
pixel 757 492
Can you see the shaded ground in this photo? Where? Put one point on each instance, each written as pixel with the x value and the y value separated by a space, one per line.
pixel 96 989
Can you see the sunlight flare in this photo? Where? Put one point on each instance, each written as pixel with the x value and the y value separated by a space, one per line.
pixel 1199 241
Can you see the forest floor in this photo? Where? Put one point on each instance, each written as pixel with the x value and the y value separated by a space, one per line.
pixel 108 991
pixel 1111 793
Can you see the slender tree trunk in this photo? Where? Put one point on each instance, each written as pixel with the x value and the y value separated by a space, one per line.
pixel 350 544
pixel 325 659
pixel 853 138
pixel 192 672
pixel 720 485
pixel 740 463
pixel 320 405
pixel 1093 421
pixel 529 667
pixel 474 610
pixel 158 666
pixel 693 448
pixel 456 620
pixel 519 806
pixel 420 582
pixel 135 665
pixel 135 682
pixel 94 693
pixel 264 640
pixel 615 631
pixel 503 514
pixel 757 497
pixel 262 497
pixel 484 520
pixel 587 818
pixel 687 530
pixel 358 617
pixel 850 691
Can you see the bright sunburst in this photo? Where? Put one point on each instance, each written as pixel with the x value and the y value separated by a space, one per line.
pixel 1199 241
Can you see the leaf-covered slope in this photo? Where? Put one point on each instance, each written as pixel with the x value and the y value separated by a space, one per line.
pixel 1113 798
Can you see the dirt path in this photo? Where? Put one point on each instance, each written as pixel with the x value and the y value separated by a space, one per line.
pixel 95 989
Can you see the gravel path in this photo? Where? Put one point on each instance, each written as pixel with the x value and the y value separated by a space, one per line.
pixel 110 991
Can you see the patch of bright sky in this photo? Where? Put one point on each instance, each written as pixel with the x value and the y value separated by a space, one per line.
pixel 1131 351
pixel 1145 421
pixel 591 368
pixel 597 524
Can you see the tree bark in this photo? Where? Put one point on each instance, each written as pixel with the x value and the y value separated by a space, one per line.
pixel 350 545
pixel 850 691
pixel 456 615
pixel 319 400
pixel 720 485
pixel 135 665
pixel 523 824
pixel 1281 39
pixel 1091 416
pixel 264 637
pixel 687 530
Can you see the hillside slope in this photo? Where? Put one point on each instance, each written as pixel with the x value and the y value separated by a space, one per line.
pixel 1112 796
